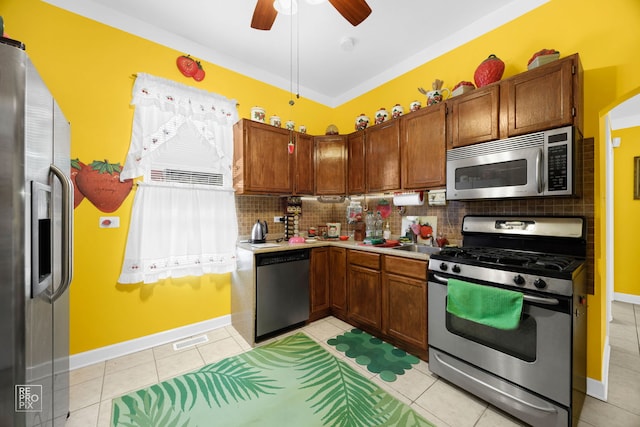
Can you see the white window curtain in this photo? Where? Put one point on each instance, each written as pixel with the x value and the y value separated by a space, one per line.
pixel 183 221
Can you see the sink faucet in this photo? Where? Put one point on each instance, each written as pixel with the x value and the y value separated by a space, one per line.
pixel 431 240
pixel 414 236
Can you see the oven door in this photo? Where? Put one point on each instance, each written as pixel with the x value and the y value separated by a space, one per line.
pixel 489 170
pixel 535 356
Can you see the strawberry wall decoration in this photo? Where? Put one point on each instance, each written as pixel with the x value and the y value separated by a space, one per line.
pixel 489 71
pixel 99 182
pixel 189 67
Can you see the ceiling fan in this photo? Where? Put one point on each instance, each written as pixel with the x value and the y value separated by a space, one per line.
pixel 354 11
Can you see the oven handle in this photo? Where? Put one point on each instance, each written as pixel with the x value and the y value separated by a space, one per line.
pixel 549 409
pixel 527 298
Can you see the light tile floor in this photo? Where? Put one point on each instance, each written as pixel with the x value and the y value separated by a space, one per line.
pixel 93 387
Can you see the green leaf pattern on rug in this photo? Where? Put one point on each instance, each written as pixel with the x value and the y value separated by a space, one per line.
pixel 378 356
pixel 293 381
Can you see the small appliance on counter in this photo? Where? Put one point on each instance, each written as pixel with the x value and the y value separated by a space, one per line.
pixel 259 232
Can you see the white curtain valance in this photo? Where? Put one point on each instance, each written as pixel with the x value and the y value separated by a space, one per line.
pixel 163 107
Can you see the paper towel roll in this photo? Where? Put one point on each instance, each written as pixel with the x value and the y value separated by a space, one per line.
pixel 408 199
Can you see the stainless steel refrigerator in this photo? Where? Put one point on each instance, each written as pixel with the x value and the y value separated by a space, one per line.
pixel 36 223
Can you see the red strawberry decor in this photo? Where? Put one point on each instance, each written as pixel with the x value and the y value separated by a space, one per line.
pixel 76 167
pixel 190 67
pixel 100 183
pixel 489 71
pixel 199 75
pixel 384 208
pixel 187 65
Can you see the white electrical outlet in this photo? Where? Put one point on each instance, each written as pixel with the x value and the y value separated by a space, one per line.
pixel 109 222
pixel 278 219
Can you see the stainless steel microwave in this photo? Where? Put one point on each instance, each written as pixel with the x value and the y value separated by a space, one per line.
pixel 544 163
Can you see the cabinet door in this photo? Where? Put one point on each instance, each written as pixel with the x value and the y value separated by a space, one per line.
pixel 338 281
pixel 423 147
pixel 319 283
pixel 356 162
pixel 541 98
pixel 304 164
pixel 475 116
pixel 382 145
pixel 331 165
pixel 405 310
pixel 364 298
pixel 262 164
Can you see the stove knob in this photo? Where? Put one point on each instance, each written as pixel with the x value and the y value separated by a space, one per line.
pixel 443 266
pixel 456 268
pixel 518 280
pixel 539 283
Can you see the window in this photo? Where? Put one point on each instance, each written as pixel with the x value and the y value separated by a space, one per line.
pixel 183 221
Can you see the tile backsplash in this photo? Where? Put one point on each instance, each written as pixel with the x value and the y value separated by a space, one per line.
pixel 314 213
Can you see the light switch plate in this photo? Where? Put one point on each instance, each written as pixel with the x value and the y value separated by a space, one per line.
pixel 109 222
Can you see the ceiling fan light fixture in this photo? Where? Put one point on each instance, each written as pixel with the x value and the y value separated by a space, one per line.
pixel 286 7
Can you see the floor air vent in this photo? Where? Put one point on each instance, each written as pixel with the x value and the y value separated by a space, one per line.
pixel 190 342
pixel 187 177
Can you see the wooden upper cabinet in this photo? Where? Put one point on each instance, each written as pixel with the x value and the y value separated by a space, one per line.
pixel 423 148
pixel 304 164
pixel 544 98
pixel 261 161
pixel 330 165
pixel 356 183
pixel 382 153
pixel 475 117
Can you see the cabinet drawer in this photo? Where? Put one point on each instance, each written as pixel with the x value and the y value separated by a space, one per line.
pixel 405 267
pixel 364 259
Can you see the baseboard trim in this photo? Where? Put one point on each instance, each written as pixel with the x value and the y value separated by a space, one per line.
pixel 599 389
pixel 121 349
pixel 633 299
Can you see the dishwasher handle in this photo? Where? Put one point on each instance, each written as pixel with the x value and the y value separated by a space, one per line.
pixel 280 257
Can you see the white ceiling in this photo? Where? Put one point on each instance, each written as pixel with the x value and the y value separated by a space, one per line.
pixel 398 36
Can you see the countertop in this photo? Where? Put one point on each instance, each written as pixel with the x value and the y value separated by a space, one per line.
pixel 348 244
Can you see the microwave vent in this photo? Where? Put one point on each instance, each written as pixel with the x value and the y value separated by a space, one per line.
pixel 499 146
pixel 187 177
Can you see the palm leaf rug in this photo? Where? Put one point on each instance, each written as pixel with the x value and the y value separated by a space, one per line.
pixel 291 382
pixel 378 356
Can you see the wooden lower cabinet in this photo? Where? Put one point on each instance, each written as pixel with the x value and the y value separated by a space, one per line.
pixel 364 306
pixel 404 303
pixel 338 282
pixel 319 294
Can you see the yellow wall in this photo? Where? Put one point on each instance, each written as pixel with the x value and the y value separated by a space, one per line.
pixel 626 213
pixel 88 67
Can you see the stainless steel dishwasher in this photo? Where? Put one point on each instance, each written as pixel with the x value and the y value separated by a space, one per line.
pixel 282 291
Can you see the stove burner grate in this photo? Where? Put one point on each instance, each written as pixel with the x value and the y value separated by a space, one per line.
pixel 506 257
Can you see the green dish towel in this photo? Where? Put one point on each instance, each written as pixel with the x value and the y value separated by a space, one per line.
pixel 487 305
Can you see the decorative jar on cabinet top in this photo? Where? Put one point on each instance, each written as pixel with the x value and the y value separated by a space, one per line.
pixel 258 114
pixel 382 115
pixel 397 111
pixel 275 121
pixel 362 122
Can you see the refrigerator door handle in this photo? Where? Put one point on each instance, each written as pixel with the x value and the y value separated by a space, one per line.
pixel 67 232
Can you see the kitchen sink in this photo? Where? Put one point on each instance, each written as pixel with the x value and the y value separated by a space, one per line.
pixel 415 247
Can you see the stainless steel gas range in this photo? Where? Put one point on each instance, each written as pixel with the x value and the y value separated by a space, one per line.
pixel 535 371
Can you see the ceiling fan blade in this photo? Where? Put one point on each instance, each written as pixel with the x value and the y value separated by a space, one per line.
pixel 263 15
pixel 354 11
